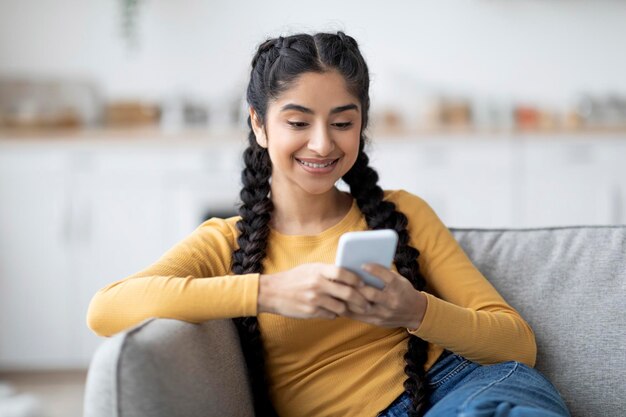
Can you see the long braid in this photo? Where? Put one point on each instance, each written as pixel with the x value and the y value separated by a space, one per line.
pixel 379 214
pixel 255 212
pixel 277 63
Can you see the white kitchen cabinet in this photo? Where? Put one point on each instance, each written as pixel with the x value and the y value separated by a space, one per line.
pixel 73 221
pixel 141 203
pixel 36 294
pixel 126 209
pixel 76 216
pixel 617 149
pixel 567 181
pixel 204 183
pixel 469 183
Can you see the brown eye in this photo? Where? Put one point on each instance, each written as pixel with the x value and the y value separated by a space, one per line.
pixel 343 125
pixel 297 124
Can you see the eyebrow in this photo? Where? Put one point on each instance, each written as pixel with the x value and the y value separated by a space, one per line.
pixel 303 109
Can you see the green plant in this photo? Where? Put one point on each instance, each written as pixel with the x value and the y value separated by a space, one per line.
pixel 130 14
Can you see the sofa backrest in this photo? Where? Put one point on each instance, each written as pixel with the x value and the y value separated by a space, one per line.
pixel 569 283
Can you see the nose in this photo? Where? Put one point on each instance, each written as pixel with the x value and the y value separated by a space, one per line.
pixel 321 142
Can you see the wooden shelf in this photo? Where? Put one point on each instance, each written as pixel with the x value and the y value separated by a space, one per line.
pixel 474 132
pixel 156 134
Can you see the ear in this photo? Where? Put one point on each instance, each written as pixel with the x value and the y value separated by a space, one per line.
pixel 258 128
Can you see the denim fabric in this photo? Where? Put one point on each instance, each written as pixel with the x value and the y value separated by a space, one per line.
pixel 459 387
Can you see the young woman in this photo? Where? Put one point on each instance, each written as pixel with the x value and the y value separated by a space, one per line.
pixel 438 339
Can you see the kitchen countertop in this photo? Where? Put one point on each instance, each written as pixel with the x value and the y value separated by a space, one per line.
pixel 154 135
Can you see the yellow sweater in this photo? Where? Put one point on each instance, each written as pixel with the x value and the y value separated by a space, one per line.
pixel 319 367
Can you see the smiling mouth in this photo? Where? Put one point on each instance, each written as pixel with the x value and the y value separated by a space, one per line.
pixel 312 165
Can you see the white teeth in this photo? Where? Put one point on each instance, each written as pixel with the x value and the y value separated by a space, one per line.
pixel 309 164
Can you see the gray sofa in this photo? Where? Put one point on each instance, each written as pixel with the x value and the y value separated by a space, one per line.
pixel 568 282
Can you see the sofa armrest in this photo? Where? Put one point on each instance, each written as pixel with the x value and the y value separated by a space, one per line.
pixel 165 367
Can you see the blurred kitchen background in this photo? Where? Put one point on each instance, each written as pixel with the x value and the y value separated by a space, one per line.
pixel 122 123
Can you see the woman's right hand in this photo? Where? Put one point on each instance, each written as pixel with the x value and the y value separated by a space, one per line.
pixel 314 290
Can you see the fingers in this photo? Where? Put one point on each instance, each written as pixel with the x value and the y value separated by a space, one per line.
pixel 335 306
pixel 339 292
pixel 335 273
pixel 316 305
pixel 379 271
pixel 366 295
pixel 372 295
pixel 341 284
pixel 333 292
pixel 326 306
pixel 346 293
pixel 330 297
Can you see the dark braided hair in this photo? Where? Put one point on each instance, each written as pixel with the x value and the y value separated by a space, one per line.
pixel 276 65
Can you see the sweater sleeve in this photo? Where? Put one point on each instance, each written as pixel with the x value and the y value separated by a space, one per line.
pixel 465 313
pixel 190 282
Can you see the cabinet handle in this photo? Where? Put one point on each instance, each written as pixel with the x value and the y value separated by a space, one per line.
pixel 67 225
pixel 77 221
pixel 84 226
pixel 617 215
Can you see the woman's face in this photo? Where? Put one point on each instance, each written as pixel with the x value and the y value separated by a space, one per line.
pixel 312 133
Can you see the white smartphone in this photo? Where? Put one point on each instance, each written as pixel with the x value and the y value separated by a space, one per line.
pixel 369 246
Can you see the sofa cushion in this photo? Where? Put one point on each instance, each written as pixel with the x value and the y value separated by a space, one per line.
pixel 569 283
pixel 167 368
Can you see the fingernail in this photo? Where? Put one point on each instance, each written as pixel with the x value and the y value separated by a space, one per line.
pixel 366 267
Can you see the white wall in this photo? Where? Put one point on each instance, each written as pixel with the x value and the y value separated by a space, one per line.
pixel 544 52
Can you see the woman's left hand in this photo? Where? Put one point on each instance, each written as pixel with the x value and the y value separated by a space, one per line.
pixel 396 305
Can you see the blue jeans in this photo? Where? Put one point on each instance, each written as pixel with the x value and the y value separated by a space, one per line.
pixel 462 388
